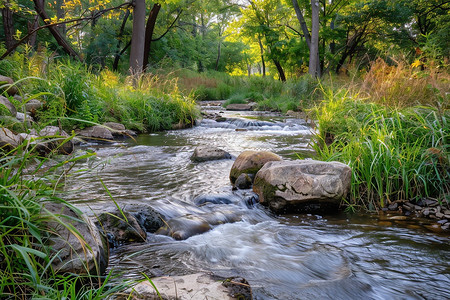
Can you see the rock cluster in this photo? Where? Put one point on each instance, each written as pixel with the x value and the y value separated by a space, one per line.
pixel 424 208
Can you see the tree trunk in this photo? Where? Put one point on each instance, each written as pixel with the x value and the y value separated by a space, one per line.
pixel 302 22
pixel 61 14
pixel 119 42
pixel 280 70
pixel 218 52
pixel 261 48
pixel 8 27
pixel 314 65
pixel 39 7
pixel 137 39
pixel 149 28
pixel 32 25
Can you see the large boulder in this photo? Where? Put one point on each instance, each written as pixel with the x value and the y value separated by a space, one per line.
pixel 207 153
pixel 8 140
pixel 302 185
pixel 52 138
pixel 99 133
pixel 194 286
pixel 121 227
pixel 9 106
pixel 7 85
pixel 249 162
pixel 76 243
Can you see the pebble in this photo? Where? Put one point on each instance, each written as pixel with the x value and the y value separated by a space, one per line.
pixel 439 215
pixel 402 218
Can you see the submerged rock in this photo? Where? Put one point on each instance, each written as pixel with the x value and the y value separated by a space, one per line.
pixel 302 185
pixel 216 199
pixel 249 162
pixel 121 227
pixel 184 227
pixel 81 252
pixel 207 153
pixel 194 286
pixel 181 228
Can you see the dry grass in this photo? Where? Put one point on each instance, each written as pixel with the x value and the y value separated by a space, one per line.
pixel 403 85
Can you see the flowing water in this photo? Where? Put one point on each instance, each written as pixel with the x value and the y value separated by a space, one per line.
pixel 282 257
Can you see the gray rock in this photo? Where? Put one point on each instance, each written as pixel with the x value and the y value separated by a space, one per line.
pixel 8 140
pixel 240 107
pixel 121 228
pixel 54 139
pixel 33 105
pixel 7 85
pixel 21 117
pixel 96 133
pixel 27 137
pixel 244 181
pixel 81 252
pixel 302 185
pixel 250 162
pixel 190 287
pixel 5 102
pixel 208 153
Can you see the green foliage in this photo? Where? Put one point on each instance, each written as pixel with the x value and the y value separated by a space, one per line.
pixel 77 96
pixel 394 154
pixel 25 255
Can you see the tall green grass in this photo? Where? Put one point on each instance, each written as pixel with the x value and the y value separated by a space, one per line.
pixel 76 93
pixel 395 154
pixel 27 182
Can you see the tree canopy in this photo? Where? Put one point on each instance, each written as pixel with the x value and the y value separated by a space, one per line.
pixel 236 36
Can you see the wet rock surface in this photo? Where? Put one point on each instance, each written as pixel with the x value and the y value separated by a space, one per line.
pixel 120 227
pixel 194 286
pixel 208 153
pixel 250 162
pixel 424 208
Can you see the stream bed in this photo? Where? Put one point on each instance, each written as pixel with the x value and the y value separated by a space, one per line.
pixel 282 257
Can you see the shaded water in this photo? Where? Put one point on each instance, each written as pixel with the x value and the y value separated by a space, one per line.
pixel 289 257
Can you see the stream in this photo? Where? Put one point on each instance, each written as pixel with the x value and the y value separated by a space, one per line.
pixel 282 257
